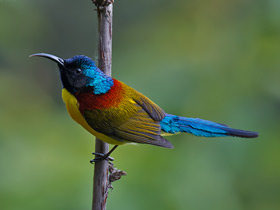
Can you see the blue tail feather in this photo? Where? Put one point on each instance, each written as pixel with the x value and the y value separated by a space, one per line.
pixel 175 124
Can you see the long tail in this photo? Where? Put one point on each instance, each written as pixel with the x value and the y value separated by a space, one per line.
pixel 175 124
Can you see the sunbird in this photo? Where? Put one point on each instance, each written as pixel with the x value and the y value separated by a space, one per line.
pixel 117 114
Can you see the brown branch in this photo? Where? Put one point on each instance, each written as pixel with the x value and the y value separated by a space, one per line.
pixel 101 168
pixel 102 180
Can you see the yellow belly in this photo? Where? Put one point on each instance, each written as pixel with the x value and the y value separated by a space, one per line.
pixel 72 107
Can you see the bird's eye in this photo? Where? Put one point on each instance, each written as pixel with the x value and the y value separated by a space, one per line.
pixel 78 71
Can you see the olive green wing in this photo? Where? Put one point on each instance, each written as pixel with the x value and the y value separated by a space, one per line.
pixel 136 120
pixel 141 128
pixel 155 112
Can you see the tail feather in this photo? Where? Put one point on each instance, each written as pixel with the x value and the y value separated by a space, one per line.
pixel 175 124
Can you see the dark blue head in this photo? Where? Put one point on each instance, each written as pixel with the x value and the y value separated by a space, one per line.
pixel 80 72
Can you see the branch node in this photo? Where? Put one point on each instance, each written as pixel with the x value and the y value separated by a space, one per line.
pixel 115 174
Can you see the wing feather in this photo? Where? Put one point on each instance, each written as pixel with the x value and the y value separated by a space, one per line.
pixel 150 107
pixel 142 131
pixel 136 119
pixel 138 128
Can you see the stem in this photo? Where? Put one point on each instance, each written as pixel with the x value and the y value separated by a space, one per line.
pixel 101 168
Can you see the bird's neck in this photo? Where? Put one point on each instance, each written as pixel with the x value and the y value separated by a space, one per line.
pixel 100 82
pixel 89 101
pixel 65 83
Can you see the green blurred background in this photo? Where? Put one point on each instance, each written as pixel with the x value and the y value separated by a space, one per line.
pixel 212 59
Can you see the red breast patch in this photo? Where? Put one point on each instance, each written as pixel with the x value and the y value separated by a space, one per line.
pixel 89 101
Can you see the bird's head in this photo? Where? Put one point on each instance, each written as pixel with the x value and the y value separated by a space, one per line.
pixel 80 72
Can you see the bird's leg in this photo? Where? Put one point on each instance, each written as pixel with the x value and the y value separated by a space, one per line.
pixel 102 156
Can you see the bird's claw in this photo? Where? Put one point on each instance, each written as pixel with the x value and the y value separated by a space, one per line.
pixel 100 157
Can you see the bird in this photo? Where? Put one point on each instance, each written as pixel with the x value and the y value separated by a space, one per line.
pixel 118 114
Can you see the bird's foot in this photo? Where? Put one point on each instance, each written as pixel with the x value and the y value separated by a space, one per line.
pixel 100 157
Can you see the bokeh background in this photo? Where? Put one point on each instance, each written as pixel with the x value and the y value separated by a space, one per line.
pixel 212 59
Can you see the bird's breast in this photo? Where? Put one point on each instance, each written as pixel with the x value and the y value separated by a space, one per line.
pixel 90 101
pixel 72 106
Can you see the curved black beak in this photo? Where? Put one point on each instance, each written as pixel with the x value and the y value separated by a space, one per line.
pixel 54 58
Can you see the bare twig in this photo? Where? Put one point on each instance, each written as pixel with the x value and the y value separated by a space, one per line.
pixel 101 170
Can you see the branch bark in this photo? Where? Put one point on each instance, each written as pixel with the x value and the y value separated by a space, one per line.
pixel 101 169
